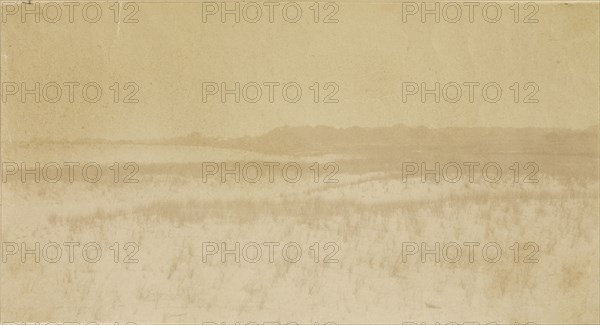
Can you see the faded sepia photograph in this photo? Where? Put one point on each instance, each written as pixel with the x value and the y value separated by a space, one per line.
pixel 300 162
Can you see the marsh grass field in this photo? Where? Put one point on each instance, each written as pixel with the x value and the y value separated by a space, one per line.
pixel 369 213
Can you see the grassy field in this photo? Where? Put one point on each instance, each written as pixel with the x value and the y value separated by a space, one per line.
pixel 368 214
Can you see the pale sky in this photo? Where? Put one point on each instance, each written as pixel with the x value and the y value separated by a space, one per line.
pixel 369 54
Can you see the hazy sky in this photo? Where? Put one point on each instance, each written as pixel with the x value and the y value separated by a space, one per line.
pixel 370 54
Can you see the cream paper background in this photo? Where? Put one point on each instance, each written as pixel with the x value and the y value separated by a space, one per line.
pixel 369 53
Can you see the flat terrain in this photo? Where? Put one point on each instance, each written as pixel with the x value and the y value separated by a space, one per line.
pixel 366 216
